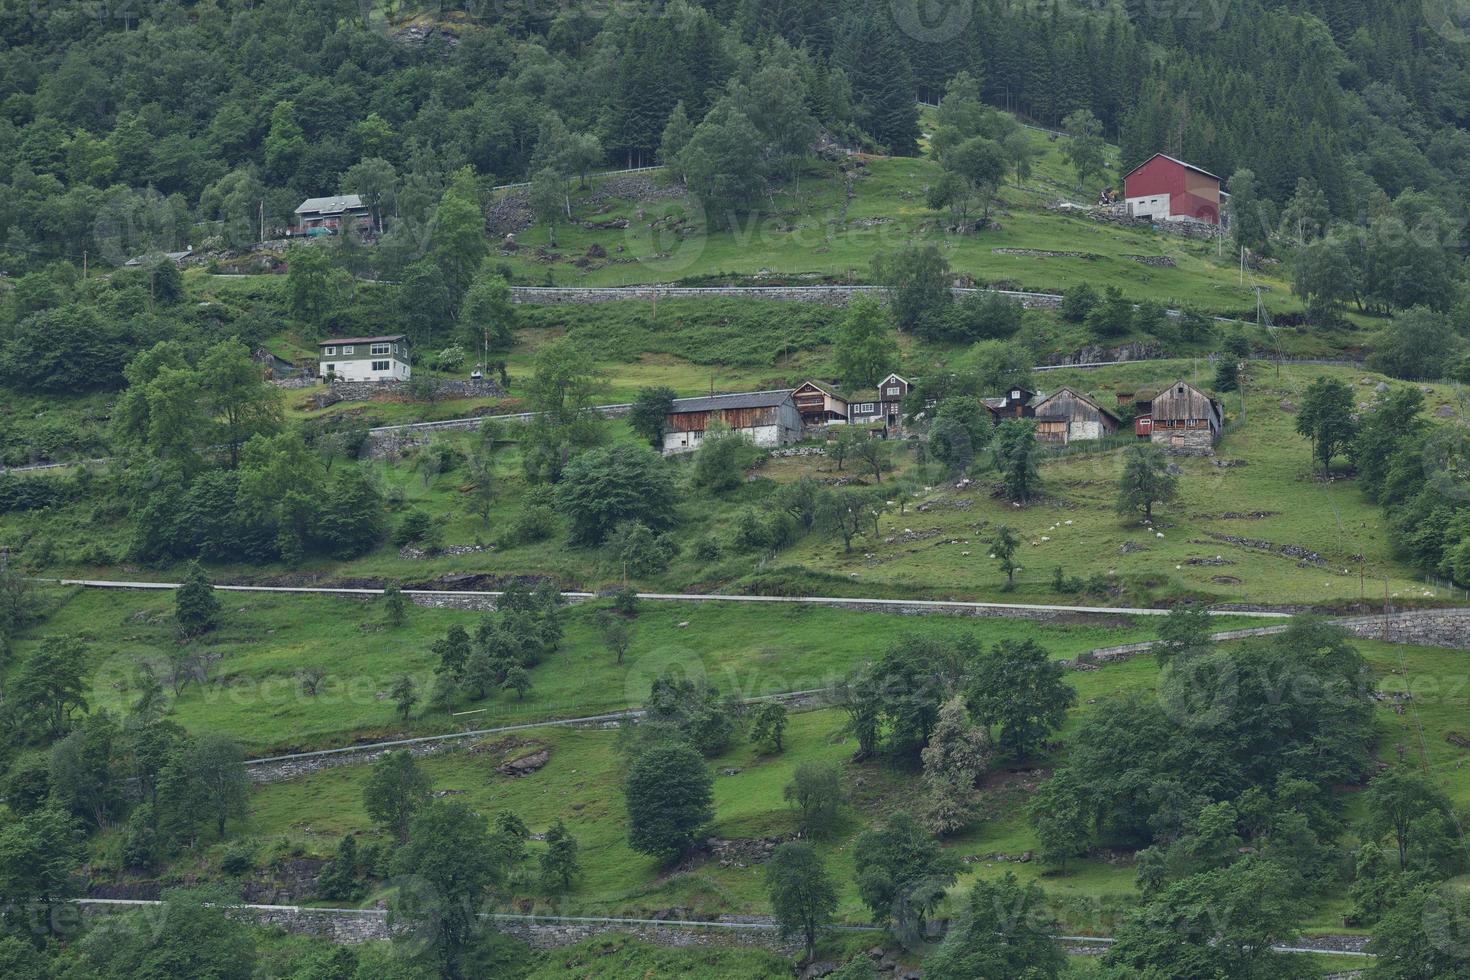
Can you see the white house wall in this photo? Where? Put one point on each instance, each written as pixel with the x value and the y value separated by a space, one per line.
pixel 1154 206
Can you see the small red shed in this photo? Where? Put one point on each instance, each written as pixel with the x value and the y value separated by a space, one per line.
pixel 1165 189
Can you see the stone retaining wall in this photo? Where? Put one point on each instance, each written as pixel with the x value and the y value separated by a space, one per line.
pixel 458 388
pixel 824 295
pixel 368 925
pixel 1448 628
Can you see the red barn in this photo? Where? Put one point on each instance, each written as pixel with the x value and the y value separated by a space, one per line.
pixel 1165 189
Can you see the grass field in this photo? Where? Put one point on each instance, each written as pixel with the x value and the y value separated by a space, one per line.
pixel 1265 493
pixel 581 784
pixel 253 694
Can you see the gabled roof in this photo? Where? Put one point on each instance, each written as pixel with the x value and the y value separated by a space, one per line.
pixel 386 339
pixel 743 399
pixel 827 390
pixel 1186 166
pixel 329 205
pixel 1039 401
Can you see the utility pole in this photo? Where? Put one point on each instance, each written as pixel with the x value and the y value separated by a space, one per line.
pixel 84 263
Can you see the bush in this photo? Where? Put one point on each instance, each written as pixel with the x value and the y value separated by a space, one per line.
pixel 722 460
pixel 412 526
pixel 239 859
pixel 535 522
pixel 32 492
pixel 983 316
pixel 1077 302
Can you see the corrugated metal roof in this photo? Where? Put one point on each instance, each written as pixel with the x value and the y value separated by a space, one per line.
pixel 386 339
pixel 329 205
pixel 743 399
pixel 1187 166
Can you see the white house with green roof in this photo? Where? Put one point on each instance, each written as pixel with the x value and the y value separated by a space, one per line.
pixel 364 358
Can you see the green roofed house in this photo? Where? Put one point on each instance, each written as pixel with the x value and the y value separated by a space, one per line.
pixel 365 358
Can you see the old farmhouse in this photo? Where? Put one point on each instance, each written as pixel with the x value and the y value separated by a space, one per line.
pixel 818 404
pixel 1181 416
pixel 1165 189
pixel 1014 404
pixel 383 358
pixel 1070 416
pixel 767 418
pixel 885 406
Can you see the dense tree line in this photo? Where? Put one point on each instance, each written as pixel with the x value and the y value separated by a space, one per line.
pixel 122 135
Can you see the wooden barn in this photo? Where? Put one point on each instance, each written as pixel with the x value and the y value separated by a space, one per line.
pixel 818 404
pixel 767 418
pixel 1070 416
pixel 1162 188
pixel 1182 416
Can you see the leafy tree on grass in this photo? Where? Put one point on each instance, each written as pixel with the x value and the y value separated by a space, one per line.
pixel 1325 417
pixel 604 487
pixel 1186 630
pixel 844 513
pixel 768 726
pixel 196 607
pixel 395 604
pixel 193 935
pixel 1220 923
pixel 1227 375
pixel 1398 799
pixel 720 463
pixel 649 416
pixel 669 792
pixel 1077 302
pixel 902 874
pixel 1063 827
pixel 873 455
pixel 816 792
pixel 238 397
pixel 1084 150
pixel 867 349
pixel 216 764
pixel 1003 932
pixel 1422 935
pixel 559 867
pixel 1016 458
pixel 803 897
pixel 405 694
pixel 950 445
pixel 955 758
pixel 917 281
pixel 617 635
pixel 1016 685
pixel 38 854
pixel 1003 550
pixel 450 851
pixel 517 679
pixel 396 789
pixel 48 687
pixel 1146 481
